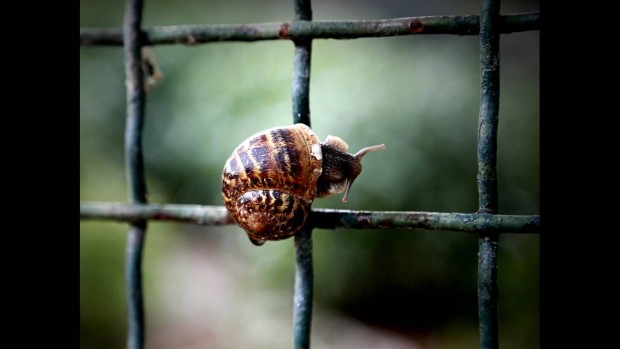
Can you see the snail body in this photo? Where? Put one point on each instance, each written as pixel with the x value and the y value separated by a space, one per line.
pixel 271 179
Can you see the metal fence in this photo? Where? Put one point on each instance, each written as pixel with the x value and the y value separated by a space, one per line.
pixel 486 222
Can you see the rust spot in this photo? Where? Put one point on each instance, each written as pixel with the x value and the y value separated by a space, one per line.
pixel 417 220
pixel 416 27
pixel 229 219
pixel 283 32
pixel 191 40
pixel 364 220
pixel 159 216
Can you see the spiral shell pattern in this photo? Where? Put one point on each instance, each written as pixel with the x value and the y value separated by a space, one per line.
pixel 269 181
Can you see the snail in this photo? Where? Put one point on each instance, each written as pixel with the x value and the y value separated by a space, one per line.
pixel 271 179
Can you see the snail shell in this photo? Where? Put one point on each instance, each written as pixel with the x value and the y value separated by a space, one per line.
pixel 271 179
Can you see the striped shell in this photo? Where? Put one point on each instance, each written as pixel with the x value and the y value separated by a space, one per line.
pixel 269 181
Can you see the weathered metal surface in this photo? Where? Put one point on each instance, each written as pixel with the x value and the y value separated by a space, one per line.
pixel 304 277
pixel 487 172
pixel 322 218
pixel 464 222
pixel 304 289
pixel 305 29
pixel 134 167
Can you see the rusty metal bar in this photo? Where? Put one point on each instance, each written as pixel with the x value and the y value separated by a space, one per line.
pixel 487 171
pixel 134 169
pixel 304 273
pixel 304 289
pixel 320 218
pixel 199 34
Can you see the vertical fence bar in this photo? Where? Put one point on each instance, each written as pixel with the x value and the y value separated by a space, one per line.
pixel 487 173
pixel 304 275
pixel 304 280
pixel 301 67
pixel 134 169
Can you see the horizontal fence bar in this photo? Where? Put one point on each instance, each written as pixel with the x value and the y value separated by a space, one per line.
pixel 197 34
pixel 321 218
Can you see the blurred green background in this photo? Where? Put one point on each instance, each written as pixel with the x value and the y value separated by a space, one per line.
pixel 209 287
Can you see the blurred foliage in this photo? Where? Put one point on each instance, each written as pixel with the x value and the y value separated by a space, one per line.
pixel 419 95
